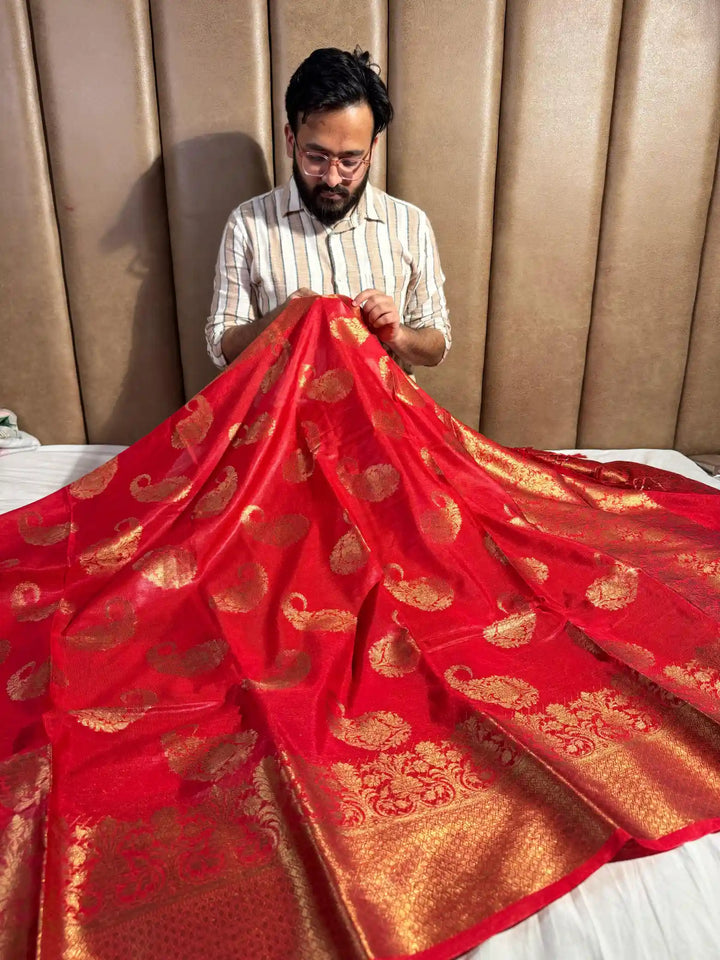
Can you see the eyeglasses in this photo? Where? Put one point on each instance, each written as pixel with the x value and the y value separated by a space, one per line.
pixel 316 164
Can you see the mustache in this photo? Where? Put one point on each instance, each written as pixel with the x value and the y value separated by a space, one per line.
pixel 337 191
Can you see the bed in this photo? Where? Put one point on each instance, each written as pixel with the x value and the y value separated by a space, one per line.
pixel 657 907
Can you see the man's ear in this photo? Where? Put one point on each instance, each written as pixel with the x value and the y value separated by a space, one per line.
pixel 289 140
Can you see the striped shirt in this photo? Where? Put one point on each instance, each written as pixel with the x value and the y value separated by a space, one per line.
pixel 272 246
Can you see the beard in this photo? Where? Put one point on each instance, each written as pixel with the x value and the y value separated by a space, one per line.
pixel 328 210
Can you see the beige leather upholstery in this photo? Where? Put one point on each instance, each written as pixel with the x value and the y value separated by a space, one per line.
pixel 97 86
pixel 212 63
pixel 549 191
pixel 663 150
pixel 565 152
pixel 446 66
pixel 37 363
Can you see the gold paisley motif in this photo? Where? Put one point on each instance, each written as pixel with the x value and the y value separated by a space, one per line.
pixel 203 657
pixel 290 668
pixel 313 436
pixel 32 531
pixel 247 594
pixel 621 501
pixel 394 786
pixel 283 531
pixel 425 593
pixel 377 730
pixel 119 627
pixel 335 621
pixel 443 524
pixel 192 430
pixel 638 657
pixel 168 567
pixel 704 563
pixel 170 490
pixel 349 330
pixel 429 461
pixel 592 723
pixel 493 549
pixel 4 650
pixel 614 591
pixel 95 482
pixel 484 737
pixel 349 554
pixel 396 654
pixel 9 563
pixel 26 606
pixel 260 429
pixel 514 630
pixel 331 387
pixel 695 676
pixel 388 421
pixel 276 370
pixel 512 468
pixel 396 381
pixel 114 552
pixel 509 692
pixel 29 681
pixel 108 719
pixel 214 501
pixel 612 501
pixel 373 484
pixel 532 569
pixel 207 759
pixel 299 466
pixel 24 780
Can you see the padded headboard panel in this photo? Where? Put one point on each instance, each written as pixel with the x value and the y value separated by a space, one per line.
pixel 566 153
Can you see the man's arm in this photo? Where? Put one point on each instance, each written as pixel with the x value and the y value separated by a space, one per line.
pixel 241 335
pixel 422 336
pixel 420 347
pixel 235 320
pixel 233 306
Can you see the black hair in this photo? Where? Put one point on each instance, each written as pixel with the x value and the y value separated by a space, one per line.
pixel 330 79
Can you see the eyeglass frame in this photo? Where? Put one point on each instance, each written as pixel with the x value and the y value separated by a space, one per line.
pixel 334 161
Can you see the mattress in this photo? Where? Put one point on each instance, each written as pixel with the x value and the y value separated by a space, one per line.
pixel 659 907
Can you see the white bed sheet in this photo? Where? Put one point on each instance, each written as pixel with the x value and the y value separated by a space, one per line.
pixel 662 907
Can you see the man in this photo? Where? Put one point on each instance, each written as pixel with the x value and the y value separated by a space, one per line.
pixel 328 231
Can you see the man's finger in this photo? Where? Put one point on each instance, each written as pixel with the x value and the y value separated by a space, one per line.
pixel 366 295
pixel 376 313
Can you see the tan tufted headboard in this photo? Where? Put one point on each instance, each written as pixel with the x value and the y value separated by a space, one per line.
pixel 565 151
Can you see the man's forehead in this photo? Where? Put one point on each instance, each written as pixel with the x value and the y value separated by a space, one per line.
pixel 355 120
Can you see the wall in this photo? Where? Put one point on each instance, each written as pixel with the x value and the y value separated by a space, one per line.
pixel 565 151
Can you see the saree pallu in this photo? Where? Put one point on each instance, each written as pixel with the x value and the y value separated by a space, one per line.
pixel 315 671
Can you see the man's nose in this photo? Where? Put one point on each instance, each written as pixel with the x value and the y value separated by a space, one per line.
pixel 332 178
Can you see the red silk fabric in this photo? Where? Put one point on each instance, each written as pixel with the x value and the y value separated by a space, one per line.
pixel 313 670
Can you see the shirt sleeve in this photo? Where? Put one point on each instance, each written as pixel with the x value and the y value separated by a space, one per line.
pixel 426 305
pixel 233 301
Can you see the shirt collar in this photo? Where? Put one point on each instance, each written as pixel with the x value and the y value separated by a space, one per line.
pixel 367 208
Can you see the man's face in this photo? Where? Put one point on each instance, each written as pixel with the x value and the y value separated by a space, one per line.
pixel 336 134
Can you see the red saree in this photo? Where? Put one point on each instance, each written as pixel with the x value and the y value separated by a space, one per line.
pixel 315 671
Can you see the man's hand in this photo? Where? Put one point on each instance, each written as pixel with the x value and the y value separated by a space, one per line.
pixel 380 314
pixel 425 346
